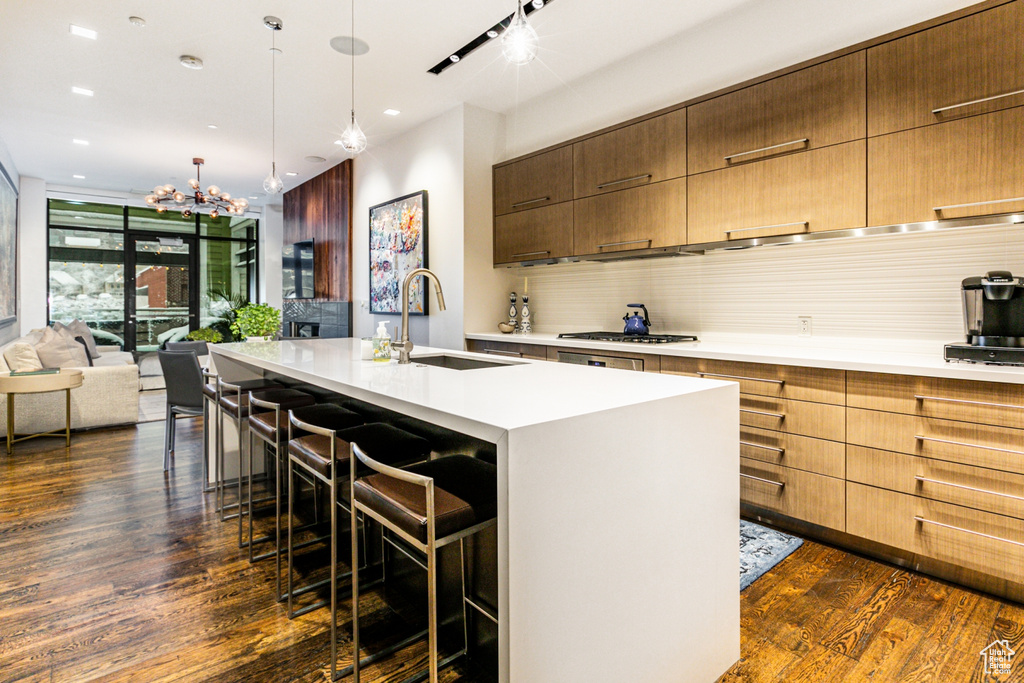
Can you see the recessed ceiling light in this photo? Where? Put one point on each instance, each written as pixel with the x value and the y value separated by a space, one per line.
pixel 392 112
pixel 190 62
pixel 291 173
pixel 80 142
pixel 212 126
pixel 78 177
pixel 315 159
pixel 81 91
pixel 253 197
pixel 137 21
pixel 83 32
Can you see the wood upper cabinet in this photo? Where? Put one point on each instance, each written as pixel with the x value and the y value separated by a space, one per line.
pixel 645 152
pixel 815 107
pixel 941 73
pixel 967 167
pixel 534 182
pixel 823 189
pixel 535 234
pixel 638 218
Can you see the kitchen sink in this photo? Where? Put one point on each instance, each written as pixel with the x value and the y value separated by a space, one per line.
pixel 458 362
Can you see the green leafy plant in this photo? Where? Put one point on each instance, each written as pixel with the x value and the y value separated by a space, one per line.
pixel 206 334
pixel 257 320
pixel 228 304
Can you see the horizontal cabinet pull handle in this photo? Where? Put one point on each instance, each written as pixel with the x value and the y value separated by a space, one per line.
pixel 972 403
pixel 766 149
pixel 983 99
pixel 531 201
pixel 780 451
pixel 968 445
pixel 532 253
pixel 780 484
pixel 619 244
pixel 940 209
pixel 623 180
pixel 922 520
pixel 777 416
pixel 499 352
pixel 966 488
pixel 780 382
pixel 768 227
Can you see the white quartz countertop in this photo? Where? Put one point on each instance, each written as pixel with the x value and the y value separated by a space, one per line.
pixel 842 354
pixel 482 402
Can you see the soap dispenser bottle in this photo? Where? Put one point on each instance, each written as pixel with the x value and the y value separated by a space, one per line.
pixel 382 344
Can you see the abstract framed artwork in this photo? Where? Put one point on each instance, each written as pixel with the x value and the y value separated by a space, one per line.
pixel 8 250
pixel 398 244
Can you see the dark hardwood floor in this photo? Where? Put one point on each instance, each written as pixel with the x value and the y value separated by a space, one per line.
pixel 110 571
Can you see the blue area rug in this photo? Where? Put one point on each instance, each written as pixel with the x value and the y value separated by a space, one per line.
pixel 761 549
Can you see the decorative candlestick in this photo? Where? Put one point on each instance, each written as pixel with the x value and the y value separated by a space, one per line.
pixel 512 312
pixel 526 327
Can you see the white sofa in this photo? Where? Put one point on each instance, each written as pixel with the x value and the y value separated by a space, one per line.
pixel 109 395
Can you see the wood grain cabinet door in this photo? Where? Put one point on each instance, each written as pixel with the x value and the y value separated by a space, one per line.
pixel 823 189
pixel 639 218
pixel 815 107
pixel 645 152
pixel 534 182
pixel 962 168
pixel 961 68
pixel 531 235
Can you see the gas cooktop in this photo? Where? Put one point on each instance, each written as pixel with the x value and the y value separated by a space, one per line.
pixel 631 338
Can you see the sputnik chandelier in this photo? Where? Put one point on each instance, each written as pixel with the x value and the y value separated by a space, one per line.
pixel 165 196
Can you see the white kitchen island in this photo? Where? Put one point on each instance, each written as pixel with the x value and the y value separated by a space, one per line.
pixel 618 514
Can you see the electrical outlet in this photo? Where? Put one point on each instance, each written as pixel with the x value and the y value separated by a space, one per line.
pixel 804 325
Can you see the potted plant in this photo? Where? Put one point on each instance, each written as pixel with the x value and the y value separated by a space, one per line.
pixel 206 334
pixel 257 322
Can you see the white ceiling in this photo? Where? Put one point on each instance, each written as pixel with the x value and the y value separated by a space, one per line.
pixel 149 115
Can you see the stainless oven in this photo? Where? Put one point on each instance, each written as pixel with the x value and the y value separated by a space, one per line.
pixel 598 361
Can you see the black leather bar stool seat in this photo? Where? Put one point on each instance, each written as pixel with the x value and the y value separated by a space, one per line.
pixel 237 406
pixel 223 389
pixel 210 389
pixel 465 494
pixel 323 414
pixel 393 445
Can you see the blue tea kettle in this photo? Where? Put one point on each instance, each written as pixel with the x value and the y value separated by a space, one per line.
pixel 636 324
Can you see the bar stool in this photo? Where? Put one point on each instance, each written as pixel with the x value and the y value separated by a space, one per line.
pixel 429 505
pixel 269 426
pixel 324 454
pixel 229 397
pixel 210 399
pixel 273 428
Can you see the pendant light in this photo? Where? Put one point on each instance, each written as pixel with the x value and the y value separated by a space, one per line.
pixel 519 40
pixel 272 183
pixel 353 140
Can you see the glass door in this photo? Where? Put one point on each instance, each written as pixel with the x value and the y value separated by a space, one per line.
pixel 161 297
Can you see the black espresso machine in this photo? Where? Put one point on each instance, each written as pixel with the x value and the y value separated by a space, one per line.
pixel 993 320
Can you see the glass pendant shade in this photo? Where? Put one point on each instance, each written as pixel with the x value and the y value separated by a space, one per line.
pixel 353 140
pixel 519 41
pixel 272 184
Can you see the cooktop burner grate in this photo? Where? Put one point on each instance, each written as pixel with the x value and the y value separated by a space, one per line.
pixel 629 338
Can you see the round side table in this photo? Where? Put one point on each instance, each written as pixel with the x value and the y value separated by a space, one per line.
pixel 64 380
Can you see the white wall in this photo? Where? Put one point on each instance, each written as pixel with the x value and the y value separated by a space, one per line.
pixel 32 285
pixel 271 242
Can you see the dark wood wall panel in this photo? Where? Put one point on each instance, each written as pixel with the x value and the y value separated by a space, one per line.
pixel 321 209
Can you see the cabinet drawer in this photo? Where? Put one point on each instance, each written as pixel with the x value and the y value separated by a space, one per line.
pixel 794 493
pixel 651 362
pixel 783 381
pixel 930 173
pixel 974 487
pixel 989 446
pixel 820 420
pixel 638 218
pixel 645 152
pixel 819 190
pixel 508 349
pixel 794 451
pixel 957 63
pixel 534 234
pixel 913 523
pixel 774 117
pixel 952 399
pixel 531 183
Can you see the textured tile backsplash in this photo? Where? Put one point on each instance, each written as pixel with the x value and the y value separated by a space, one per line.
pixel 334 317
pixel 884 287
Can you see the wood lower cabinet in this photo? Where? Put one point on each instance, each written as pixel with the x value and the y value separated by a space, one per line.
pixel 639 218
pixel 535 234
pixel 821 385
pixel 802 495
pixel 633 155
pixel 507 349
pixel 941 73
pixel 968 167
pixel 823 189
pixel 774 117
pixel 795 451
pixel 820 420
pixel 534 182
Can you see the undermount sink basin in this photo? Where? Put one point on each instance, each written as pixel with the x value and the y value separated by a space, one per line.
pixel 458 362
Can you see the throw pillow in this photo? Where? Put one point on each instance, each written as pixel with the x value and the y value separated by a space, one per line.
pixel 80 329
pixel 61 351
pixel 20 356
pixel 86 347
